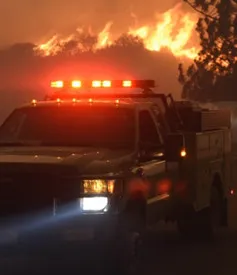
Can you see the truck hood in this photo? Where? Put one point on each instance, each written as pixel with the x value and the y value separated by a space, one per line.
pixel 83 160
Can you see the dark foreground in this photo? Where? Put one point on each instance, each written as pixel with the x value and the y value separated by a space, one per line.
pixel 165 253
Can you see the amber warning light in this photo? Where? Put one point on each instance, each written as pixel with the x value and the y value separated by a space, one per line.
pixel 183 153
pixel 77 84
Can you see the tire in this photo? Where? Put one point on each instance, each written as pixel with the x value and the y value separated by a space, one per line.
pixel 224 216
pixel 124 253
pixel 204 224
pixel 127 254
pixel 216 208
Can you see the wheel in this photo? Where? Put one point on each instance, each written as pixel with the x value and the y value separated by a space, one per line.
pixel 128 253
pixel 124 254
pixel 224 216
pixel 205 223
pixel 216 204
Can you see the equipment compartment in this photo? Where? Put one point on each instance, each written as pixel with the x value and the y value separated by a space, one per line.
pixel 199 120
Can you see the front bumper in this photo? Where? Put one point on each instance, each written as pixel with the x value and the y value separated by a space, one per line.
pixel 87 227
pixel 61 230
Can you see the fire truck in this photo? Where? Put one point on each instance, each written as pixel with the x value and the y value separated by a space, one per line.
pixel 102 160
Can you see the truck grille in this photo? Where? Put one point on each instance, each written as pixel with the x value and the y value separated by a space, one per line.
pixel 29 192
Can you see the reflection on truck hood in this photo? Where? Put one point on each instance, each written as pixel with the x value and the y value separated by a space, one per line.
pixel 85 160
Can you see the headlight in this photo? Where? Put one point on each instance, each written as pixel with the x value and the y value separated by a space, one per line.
pixel 94 204
pixel 98 186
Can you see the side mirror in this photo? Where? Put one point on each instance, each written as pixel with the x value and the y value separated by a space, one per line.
pixel 150 151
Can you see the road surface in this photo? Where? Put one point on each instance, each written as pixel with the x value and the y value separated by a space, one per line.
pixel 166 254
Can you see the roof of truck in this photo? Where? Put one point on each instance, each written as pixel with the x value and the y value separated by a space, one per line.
pixel 125 103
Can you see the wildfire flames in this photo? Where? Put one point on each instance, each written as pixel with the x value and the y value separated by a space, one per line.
pixel 172 30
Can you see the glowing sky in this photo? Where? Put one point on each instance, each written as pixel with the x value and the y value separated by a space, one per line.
pixel 34 20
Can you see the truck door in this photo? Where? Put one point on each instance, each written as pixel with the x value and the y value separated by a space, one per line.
pixel 152 163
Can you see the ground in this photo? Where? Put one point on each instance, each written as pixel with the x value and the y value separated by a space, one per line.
pixel 165 253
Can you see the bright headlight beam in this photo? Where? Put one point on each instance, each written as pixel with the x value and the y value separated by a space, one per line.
pixel 94 203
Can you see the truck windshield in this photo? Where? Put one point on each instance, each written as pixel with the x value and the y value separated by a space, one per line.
pixel 103 126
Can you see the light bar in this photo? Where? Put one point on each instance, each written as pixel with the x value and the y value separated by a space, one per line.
pixel 96 84
pixel 57 84
pixel 101 83
pixel 127 83
pixel 75 84
pixel 106 83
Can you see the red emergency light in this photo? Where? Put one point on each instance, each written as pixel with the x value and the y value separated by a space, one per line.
pixel 78 84
pixel 57 84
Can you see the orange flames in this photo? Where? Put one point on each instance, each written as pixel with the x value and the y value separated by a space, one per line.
pixel 172 30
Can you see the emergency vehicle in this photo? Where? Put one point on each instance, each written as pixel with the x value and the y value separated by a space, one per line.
pixel 101 160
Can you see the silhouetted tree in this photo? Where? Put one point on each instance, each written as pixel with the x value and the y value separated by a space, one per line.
pixel 213 75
